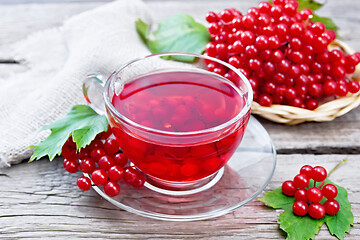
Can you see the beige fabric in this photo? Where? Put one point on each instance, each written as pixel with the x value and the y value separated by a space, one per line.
pixel 57 61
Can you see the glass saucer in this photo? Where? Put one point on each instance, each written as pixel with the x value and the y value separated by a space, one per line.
pixel 245 176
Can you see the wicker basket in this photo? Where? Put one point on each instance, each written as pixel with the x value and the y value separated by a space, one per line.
pixel 325 112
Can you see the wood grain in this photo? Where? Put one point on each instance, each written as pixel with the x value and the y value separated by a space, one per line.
pixel 40 199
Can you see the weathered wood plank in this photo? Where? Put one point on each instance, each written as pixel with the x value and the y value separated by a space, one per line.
pixel 41 200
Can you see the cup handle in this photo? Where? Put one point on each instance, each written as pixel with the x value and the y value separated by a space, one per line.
pixel 93 87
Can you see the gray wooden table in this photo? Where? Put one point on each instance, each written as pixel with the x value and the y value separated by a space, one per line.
pixel 40 200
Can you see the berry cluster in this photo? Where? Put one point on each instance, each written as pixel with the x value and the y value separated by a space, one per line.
pixel 307 200
pixel 283 53
pixel 103 160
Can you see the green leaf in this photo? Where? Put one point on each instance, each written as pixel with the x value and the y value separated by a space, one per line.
pixel 82 123
pixel 299 227
pixel 311 4
pixel 179 33
pixel 306 227
pixel 142 29
pixel 329 24
pixel 276 199
pixel 340 223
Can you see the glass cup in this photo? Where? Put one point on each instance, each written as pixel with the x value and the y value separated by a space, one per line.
pixel 174 162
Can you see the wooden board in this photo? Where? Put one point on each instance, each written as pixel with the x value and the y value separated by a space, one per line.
pixel 40 199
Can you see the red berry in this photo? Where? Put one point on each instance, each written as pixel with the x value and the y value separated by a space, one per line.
pixel 84 183
pixel 290 9
pixel 133 177
pixel 301 181
pixel 254 11
pixel 265 100
pixel 270 87
pixel 316 210
pixel 71 165
pixel 282 30
pixel 120 159
pixel 247 38
pixel 251 51
pixel 263 20
pixel 308 37
pixel 264 7
pixel 261 42
pixel 68 150
pixel 221 50
pixel 97 153
pixel 276 11
pixel 317 28
pixel 295 43
pixel 307 170
pixel 353 86
pixel 99 177
pixel 300 208
pixel 105 135
pixel 332 207
pixel 277 56
pixel 297 29
pixel 274 42
pixel 112 188
pixel 330 191
pixel 329 88
pixel 83 153
pixel 290 93
pixel 248 21
pixel 312 104
pixel 300 195
pixel 314 194
pixel 96 143
pixel 305 13
pixel 111 146
pixel 211 17
pixel 87 165
pixel 315 90
pixel 284 66
pixel 214 28
pixel 255 64
pixel 288 188
pixel 341 90
pixel 116 173
pixel 106 162
pixel 318 174
pixel 338 71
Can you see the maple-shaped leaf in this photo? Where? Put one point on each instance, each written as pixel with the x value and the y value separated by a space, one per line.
pixel 82 123
pixel 340 223
pixel 311 4
pixel 276 199
pixel 178 33
pixel 298 227
pixel 306 227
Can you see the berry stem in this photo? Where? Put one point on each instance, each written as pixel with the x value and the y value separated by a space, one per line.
pixel 337 166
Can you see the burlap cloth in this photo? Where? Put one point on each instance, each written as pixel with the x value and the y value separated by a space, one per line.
pixel 57 61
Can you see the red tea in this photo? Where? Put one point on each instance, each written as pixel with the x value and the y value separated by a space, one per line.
pixel 174 104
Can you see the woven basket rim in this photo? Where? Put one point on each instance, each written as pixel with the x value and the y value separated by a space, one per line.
pixel 327 111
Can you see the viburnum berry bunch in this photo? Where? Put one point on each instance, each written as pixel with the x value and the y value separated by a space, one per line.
pixel 283 53
pixel 104 161
pixel 307 199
